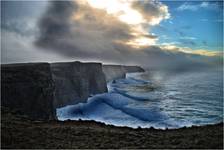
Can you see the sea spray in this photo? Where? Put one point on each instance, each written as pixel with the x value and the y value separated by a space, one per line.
pixel 186 99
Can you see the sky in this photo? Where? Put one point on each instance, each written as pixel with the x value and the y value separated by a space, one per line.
pixel 198 25
pixel 147 33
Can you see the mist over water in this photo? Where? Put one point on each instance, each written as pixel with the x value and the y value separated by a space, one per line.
pixel 155 99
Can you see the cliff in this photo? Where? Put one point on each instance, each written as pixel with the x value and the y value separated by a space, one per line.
pixel 28 88
pixel 117 71
pixel 37 89
pixel 76 81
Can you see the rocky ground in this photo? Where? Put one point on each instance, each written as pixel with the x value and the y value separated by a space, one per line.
pixel 17 131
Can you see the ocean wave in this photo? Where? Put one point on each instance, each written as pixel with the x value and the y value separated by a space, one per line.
pixel 131 102
pixel 116 102
pixel 134 97
pixel 131 87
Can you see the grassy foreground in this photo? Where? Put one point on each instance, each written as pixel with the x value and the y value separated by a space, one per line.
pixel 19 132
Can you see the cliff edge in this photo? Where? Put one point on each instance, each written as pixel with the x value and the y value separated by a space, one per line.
pixel 113 72
pixel 28 88
pixel 76 81
pixel 37 89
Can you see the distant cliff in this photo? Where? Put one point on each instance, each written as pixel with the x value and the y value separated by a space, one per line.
pixel 37 89
pixel 28 88
pixel 76 81
pixel 118 71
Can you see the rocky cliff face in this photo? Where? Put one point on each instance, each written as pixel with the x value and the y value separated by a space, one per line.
pixel 117 71
pixel 28 88
pixel 76 81
pixel 37 89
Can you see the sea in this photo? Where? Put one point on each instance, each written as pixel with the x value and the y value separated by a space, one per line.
pixel 157 99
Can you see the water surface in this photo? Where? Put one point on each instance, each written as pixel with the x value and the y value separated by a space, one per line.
pixel 155 99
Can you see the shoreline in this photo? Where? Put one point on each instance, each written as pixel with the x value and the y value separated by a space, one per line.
pixel 21 132
pixel 33 125
pixel 139 127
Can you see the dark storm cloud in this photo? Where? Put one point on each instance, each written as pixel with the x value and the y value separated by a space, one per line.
pixel 80 31
pixel 19 30
pixel 54 25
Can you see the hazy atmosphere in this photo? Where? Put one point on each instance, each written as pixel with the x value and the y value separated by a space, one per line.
pixel 112 74
pixel 150 33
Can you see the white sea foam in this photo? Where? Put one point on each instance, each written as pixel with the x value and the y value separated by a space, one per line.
pixel 128 103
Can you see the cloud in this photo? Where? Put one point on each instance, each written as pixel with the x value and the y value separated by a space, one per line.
pixel 19 30
pixel 203 5
pixel 153 11
pixel 23 26
pixel 100 31
pixel 18 48
pixel 21 16
pixel 83 29
pixel 216 20
pixel 202 52
pixel 88 31
pixel 187 6
pixel 188 38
